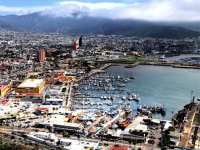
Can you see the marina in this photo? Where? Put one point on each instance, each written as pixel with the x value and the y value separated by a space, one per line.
pixel 161 85
pixel 119 86
pixel 101 92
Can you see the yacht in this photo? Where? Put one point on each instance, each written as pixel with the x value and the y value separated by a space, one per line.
pixel 162 57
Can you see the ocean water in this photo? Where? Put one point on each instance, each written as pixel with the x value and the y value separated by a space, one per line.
pixel 161 85
pixel 182 56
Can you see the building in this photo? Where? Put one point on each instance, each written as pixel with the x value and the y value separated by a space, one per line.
pixel 44 135
pixel 42 55
pixel 31 86
pixel 4 88
pixel 118 147
pixel 70 144
pixel 135 130
pixel 53 101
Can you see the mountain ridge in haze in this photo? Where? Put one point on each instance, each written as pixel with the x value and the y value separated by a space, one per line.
pixel 89 25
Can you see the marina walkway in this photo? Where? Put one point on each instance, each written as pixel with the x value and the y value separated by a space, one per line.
pixel 94 123
pixel 68 100
pixel 188 128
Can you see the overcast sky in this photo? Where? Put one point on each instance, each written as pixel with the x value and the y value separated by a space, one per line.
pixel 151 10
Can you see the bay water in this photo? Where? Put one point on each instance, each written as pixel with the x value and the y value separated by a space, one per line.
pixel 161 85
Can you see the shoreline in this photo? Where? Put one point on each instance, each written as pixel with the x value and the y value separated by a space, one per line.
pixel 172 65
pixel 185 66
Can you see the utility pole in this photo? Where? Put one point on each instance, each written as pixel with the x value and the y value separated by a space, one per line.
pixel 192 95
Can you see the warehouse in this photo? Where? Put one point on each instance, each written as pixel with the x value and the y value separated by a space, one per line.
pixel 31 86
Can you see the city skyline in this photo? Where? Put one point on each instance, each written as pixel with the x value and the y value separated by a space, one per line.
pixel 150 10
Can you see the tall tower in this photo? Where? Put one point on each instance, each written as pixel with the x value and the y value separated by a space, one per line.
pixel 42 55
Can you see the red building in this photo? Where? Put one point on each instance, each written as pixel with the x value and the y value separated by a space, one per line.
pixel 118 147
pixel 42 55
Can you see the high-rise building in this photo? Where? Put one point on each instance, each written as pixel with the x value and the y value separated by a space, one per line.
pixel 42 55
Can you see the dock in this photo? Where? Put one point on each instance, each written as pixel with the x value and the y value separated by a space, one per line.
pixel 186 140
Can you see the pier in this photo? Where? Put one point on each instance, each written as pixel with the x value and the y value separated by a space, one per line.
pixel 92 72
pixel 187 139
pixel 121 113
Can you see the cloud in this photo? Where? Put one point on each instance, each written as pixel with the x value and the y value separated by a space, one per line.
pixel 152 10
pixel 5 10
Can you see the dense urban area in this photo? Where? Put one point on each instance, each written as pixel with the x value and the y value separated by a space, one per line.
pixel 45 101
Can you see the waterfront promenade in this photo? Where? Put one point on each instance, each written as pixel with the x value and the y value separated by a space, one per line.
pixel 188 126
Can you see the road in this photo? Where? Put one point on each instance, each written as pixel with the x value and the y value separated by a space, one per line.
pixel 121 113
pixel 27 130
pixel 69 97
pixel 188 127
pixel 94 123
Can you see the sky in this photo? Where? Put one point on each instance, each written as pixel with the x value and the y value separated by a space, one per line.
pixel 150 10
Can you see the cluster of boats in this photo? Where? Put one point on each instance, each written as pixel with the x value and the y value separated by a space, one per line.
pixel 131 96
pixel 103 92
pixel 151 109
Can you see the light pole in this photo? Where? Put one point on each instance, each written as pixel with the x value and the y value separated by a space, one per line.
pixel 191 94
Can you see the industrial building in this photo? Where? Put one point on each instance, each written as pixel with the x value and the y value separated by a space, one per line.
pixel 31 86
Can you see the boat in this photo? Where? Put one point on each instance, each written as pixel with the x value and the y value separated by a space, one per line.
pixel 108 102
pixel 152 109
pixel 131 77
pixel 134 96
pixel 86 118
pixel 113 97
pixel 123 97
pixel 104 97
pixel 162 57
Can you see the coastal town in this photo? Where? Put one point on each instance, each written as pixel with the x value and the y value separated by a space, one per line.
pixel 56 93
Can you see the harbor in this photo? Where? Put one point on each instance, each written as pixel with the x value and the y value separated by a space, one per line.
pixel 116 84
pixel 110 105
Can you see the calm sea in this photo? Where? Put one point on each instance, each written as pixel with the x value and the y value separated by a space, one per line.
pixel 161 85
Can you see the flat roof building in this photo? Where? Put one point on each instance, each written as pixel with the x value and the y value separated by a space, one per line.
pixel 31 86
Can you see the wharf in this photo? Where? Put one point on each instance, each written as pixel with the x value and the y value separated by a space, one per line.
pixel 132 65
pixel 95 71
pixel 87 97
pixel 95 123
pixel 121 113
pixel 187 130
pixel 185 66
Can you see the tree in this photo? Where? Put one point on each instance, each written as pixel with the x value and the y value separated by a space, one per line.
pixel 47 96
pixel 65 134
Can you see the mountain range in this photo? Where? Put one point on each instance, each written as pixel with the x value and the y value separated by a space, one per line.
pixel 92 25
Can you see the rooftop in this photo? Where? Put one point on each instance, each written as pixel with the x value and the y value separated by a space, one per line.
pixel 135 125
pixel 31 83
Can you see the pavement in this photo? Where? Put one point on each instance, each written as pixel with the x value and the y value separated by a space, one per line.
pixel 188 127
pixel 69 98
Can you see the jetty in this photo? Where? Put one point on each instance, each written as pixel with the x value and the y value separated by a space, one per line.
pixel 188 119
pixel 131 65
pixel 186 66
pixel 95 71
